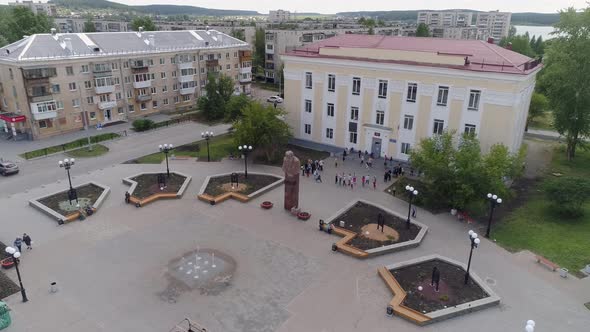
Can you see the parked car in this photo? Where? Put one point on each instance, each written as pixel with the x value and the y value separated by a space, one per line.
pixel 7 168
pixel 276 99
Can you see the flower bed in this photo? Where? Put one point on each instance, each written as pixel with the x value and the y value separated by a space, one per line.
pixel 145 187
pixel 218 188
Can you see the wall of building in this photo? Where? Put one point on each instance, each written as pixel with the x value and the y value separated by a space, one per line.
pixel 500 116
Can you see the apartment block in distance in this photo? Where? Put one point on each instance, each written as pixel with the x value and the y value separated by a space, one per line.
pixel 57 83
pixel 278 16
pixel 384 94
pixel 39 7
pixel 497 22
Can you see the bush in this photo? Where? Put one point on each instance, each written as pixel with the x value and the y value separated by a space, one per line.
pixel 68 146
pixel 142 124
pixel 568 195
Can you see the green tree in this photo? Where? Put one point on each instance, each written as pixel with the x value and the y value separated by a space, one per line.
pixel 21 21
pixel 566 78
pixel 145 22
pixel 538 107
pixel 233 109
pixel 261 126
pixel 422 30
pixel 568 195
pixel 238 33
pixel 89 25
pixel 219 92
pixel 512 31
pixel 371 31
pixel 539 46
pixel 259 49
pixel 520 44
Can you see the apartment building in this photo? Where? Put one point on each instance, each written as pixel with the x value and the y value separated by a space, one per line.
pixel 385 94
pixel 278 16
pixel 57 83
pixel 249 32
pixel 48 9
pixel 497 22
pixel 470 32
pixel 76 25
pixel 441 19
pixel 280 41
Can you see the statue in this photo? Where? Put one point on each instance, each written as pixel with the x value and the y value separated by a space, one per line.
pixel 291 167
pixel 435 280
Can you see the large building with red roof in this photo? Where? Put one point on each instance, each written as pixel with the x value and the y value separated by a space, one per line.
pixel 384 94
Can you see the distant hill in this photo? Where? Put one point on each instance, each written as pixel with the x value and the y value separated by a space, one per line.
pixel 411 15
pixel 151 9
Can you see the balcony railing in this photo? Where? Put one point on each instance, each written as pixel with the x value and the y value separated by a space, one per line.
pixel 103 105
pixel 244 70
pixel 138 64
pixel 185 65
pixel 104 89
pixel 141 98
pixel 39 73
pixel 40 98
pixel 44 115
pixel 187 91
pixel 142 84
pixel 186 78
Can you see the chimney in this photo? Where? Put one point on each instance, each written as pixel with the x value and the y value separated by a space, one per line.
pixel 220 37
pixel 152 40
pixel 490 40
pixel 68 42
pixel 140 31
pixel 509 46
pixel 53 31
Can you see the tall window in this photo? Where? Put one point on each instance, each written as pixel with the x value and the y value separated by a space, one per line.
pixel 308 80
pixel 474 96
pixel 70 70
pixel 72 86
pixel 412 90
pixel 307 105
pixel 329 133
pixel 469 129
pixel 84 69
pixel 406 148
pixel 380 119
pixel 352 130
pixel 308 129
pixel 331 82
pixel 439 126
pixel 443 96
pixel 330 109
pixel 88 84
pixel 382 89
pixel 408 122
pixel 356 86
pixel 354 113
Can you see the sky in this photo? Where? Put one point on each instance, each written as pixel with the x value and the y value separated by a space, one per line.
pixel 333 6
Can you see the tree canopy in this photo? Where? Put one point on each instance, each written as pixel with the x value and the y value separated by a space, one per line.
pixel 422 30
pixel 218 93
pixel 259 49
pixel 15 22
pixel 566 78
pixel 539 105
pixel 239 34
pixel 145 22
pixel 89 25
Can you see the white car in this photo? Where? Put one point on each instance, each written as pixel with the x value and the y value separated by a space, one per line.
pixel 274 99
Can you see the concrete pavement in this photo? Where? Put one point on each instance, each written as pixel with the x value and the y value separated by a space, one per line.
pixel 111 267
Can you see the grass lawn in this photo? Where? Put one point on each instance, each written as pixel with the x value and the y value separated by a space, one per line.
pixel 97 150
pixel 535 227
pixel 67 146
pixel 544 122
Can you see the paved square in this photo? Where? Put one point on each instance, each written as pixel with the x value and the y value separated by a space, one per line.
pixel 113 269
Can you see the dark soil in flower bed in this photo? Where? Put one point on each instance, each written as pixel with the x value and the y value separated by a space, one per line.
pixel 452 289
pixel 362 214
pixel 147 184
pixel 90 191
pixel 253 183
pixel 7 286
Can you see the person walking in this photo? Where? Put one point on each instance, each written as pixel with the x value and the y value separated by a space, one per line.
pixel 362 160
pixel 374 182
pixel 18 243
pixel 336 179
pixel 321 165
pixel 363 181
pixel 28 241
pixel 335 162
pixel 414 212
pixel 360 153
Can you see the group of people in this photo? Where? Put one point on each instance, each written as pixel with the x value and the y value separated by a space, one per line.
pixel 350 180
pixel 313 167
pixel 18 243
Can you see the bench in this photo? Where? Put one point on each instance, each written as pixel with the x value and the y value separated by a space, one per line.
pixel 547 263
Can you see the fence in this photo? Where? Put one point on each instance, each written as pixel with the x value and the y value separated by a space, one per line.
pixel 79 143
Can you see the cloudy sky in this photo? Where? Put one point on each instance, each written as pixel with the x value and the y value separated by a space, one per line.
pixel 333 6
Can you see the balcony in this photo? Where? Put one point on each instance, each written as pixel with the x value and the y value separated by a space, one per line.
pixel 142 84
pixel 187 91
pixel 186 78
pixel 142 98
pixel 104 89
pixel 103 105
pixel 44 115
pixel 245 56
pixel 270 50
pixel 185 65
pixel 244 80
pixel 138 64
pixel 212 63
pixel 39 73
pixel 245 70
pixel 44 110
pixel 40 98
pixel 102 69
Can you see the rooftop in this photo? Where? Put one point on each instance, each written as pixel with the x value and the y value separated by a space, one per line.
pixel 472 55
pixel 47 47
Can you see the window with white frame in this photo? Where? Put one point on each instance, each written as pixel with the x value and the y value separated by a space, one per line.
pixel 163 75
pixel 129 93
pixel 439 127
pixel 92 115
pixel 69 71
pixel 330 109
pixel 120 110
pixel 114 66
pixel 308 80
pixel 72 86
pixel 103 81
pixel 90 100
pixel 60 105
pixel 154 104
pixel 354 113
pixel 308 129
pixel 382 89
pixel 75 102
pixel 186 97
pixel 380 117
pixel 470 129
pixel 174 73
pixel 85 69
pixel 150 62
pixel 141 77
pixel 176 99
pixel 175 87
pixel 88 84
pixel 474 96
pixel 142 92
pixel 153 90
pixel 356 86
pixel 162 61
pixel 329 133
pixel 165 101
pixel 47 106
pixel 331 82
pixel 408 122
pixel 412 91
pixel 105 97
pixel 131 108
pixel 165 88
pixel 118 96
pixel 143 106
pixel 307 106
pixel 55 88
pixel 116 80
pixel 443 96
pixel 406 148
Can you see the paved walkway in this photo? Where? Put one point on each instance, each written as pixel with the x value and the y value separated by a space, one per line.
pixel 111 267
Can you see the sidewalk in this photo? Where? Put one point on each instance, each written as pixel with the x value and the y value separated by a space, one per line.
pixel 11 149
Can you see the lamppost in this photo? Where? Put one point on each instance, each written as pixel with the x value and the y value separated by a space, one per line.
pixel 412 193
pixel 530 326
pixel 166 148
pixel 67 164
pixel 245 149
pixel 207 136
pixel 15 254
pixel 474 243
pixel 494 200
